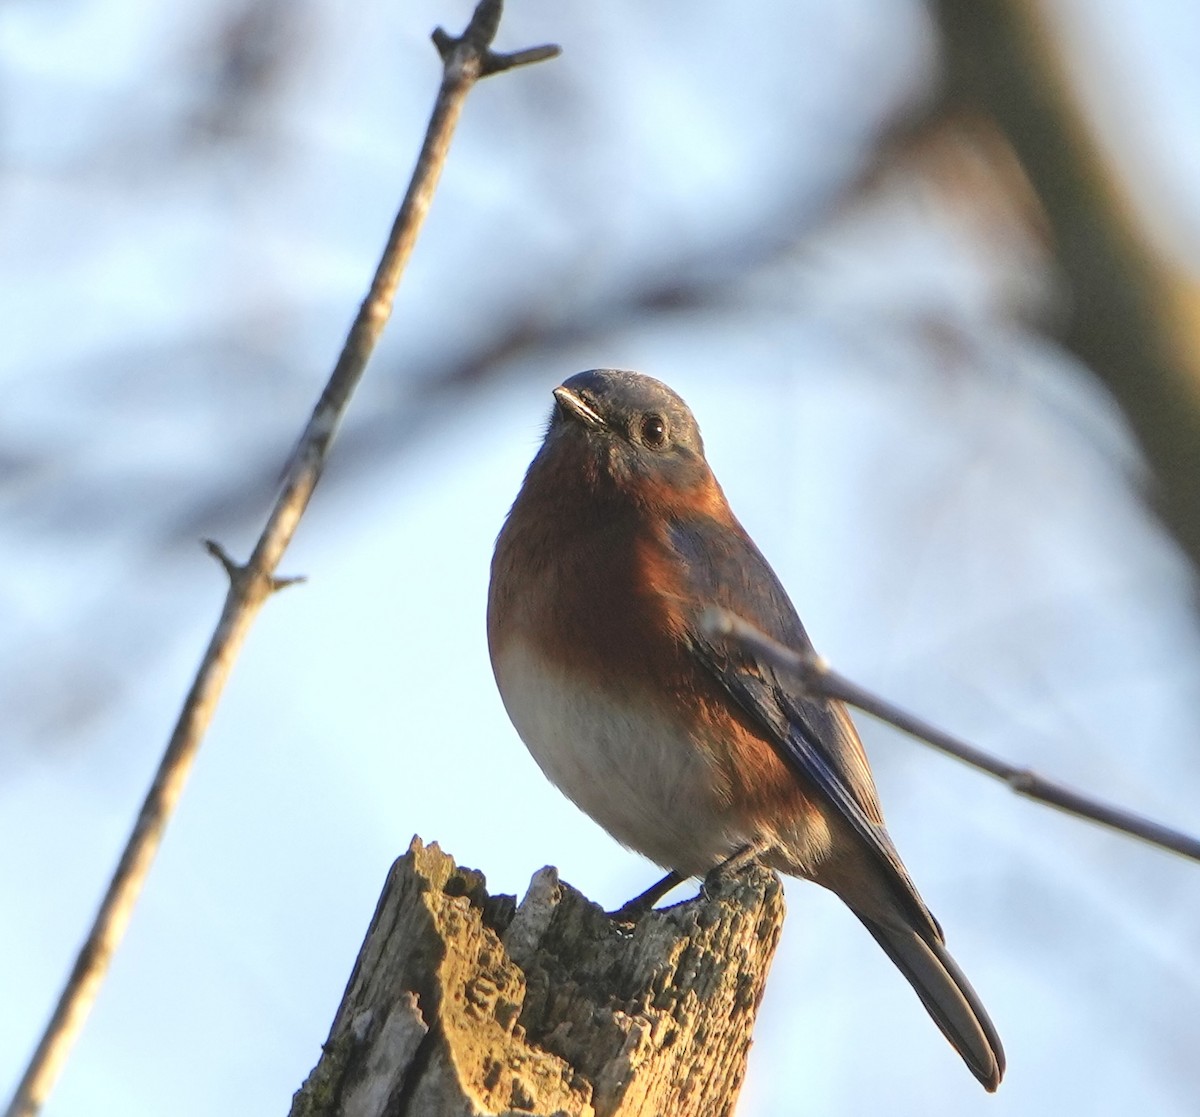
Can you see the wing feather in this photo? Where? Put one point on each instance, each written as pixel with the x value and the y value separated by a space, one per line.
pixel 814 736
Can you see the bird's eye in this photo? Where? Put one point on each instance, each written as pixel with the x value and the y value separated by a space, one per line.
pixel 653 431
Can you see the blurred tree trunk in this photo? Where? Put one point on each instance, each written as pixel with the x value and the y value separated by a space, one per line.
pixel 463 1003
pixel 1132 315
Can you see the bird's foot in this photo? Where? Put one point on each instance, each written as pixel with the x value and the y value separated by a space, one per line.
pixel 731 866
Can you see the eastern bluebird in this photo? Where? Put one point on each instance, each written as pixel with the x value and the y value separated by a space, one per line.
pixel 686 750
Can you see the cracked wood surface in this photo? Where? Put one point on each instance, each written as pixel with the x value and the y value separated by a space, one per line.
pixel 462 1003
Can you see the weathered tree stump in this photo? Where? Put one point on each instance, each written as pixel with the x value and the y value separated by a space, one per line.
pixel 462 1003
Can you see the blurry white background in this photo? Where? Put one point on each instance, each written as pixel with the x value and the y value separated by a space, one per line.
pixel 193 199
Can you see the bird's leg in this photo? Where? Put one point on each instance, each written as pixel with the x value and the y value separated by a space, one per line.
pixel 632 911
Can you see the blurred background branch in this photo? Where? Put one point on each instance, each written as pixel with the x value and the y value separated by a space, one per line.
pixel 1129 310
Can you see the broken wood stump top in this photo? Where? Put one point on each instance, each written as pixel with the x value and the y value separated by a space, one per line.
pixel 464 1003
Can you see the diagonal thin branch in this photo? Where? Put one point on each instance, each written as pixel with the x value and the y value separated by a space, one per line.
pixel 465 61
pixel 819 678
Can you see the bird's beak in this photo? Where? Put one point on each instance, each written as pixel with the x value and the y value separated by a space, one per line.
pixel 575 406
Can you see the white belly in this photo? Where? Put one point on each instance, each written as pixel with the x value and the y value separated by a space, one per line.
pixel 634 772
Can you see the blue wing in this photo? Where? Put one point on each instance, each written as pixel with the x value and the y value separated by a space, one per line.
pixel 814 736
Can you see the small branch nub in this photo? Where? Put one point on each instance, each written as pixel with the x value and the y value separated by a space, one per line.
pixel 240 574
pixel 476 40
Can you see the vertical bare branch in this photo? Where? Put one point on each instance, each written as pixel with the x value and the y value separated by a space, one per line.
pixel 465 60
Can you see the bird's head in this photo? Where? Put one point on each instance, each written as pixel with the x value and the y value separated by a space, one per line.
pixel 628 437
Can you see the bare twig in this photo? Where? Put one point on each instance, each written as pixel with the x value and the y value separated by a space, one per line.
pixel 817 676
pixel 465 61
